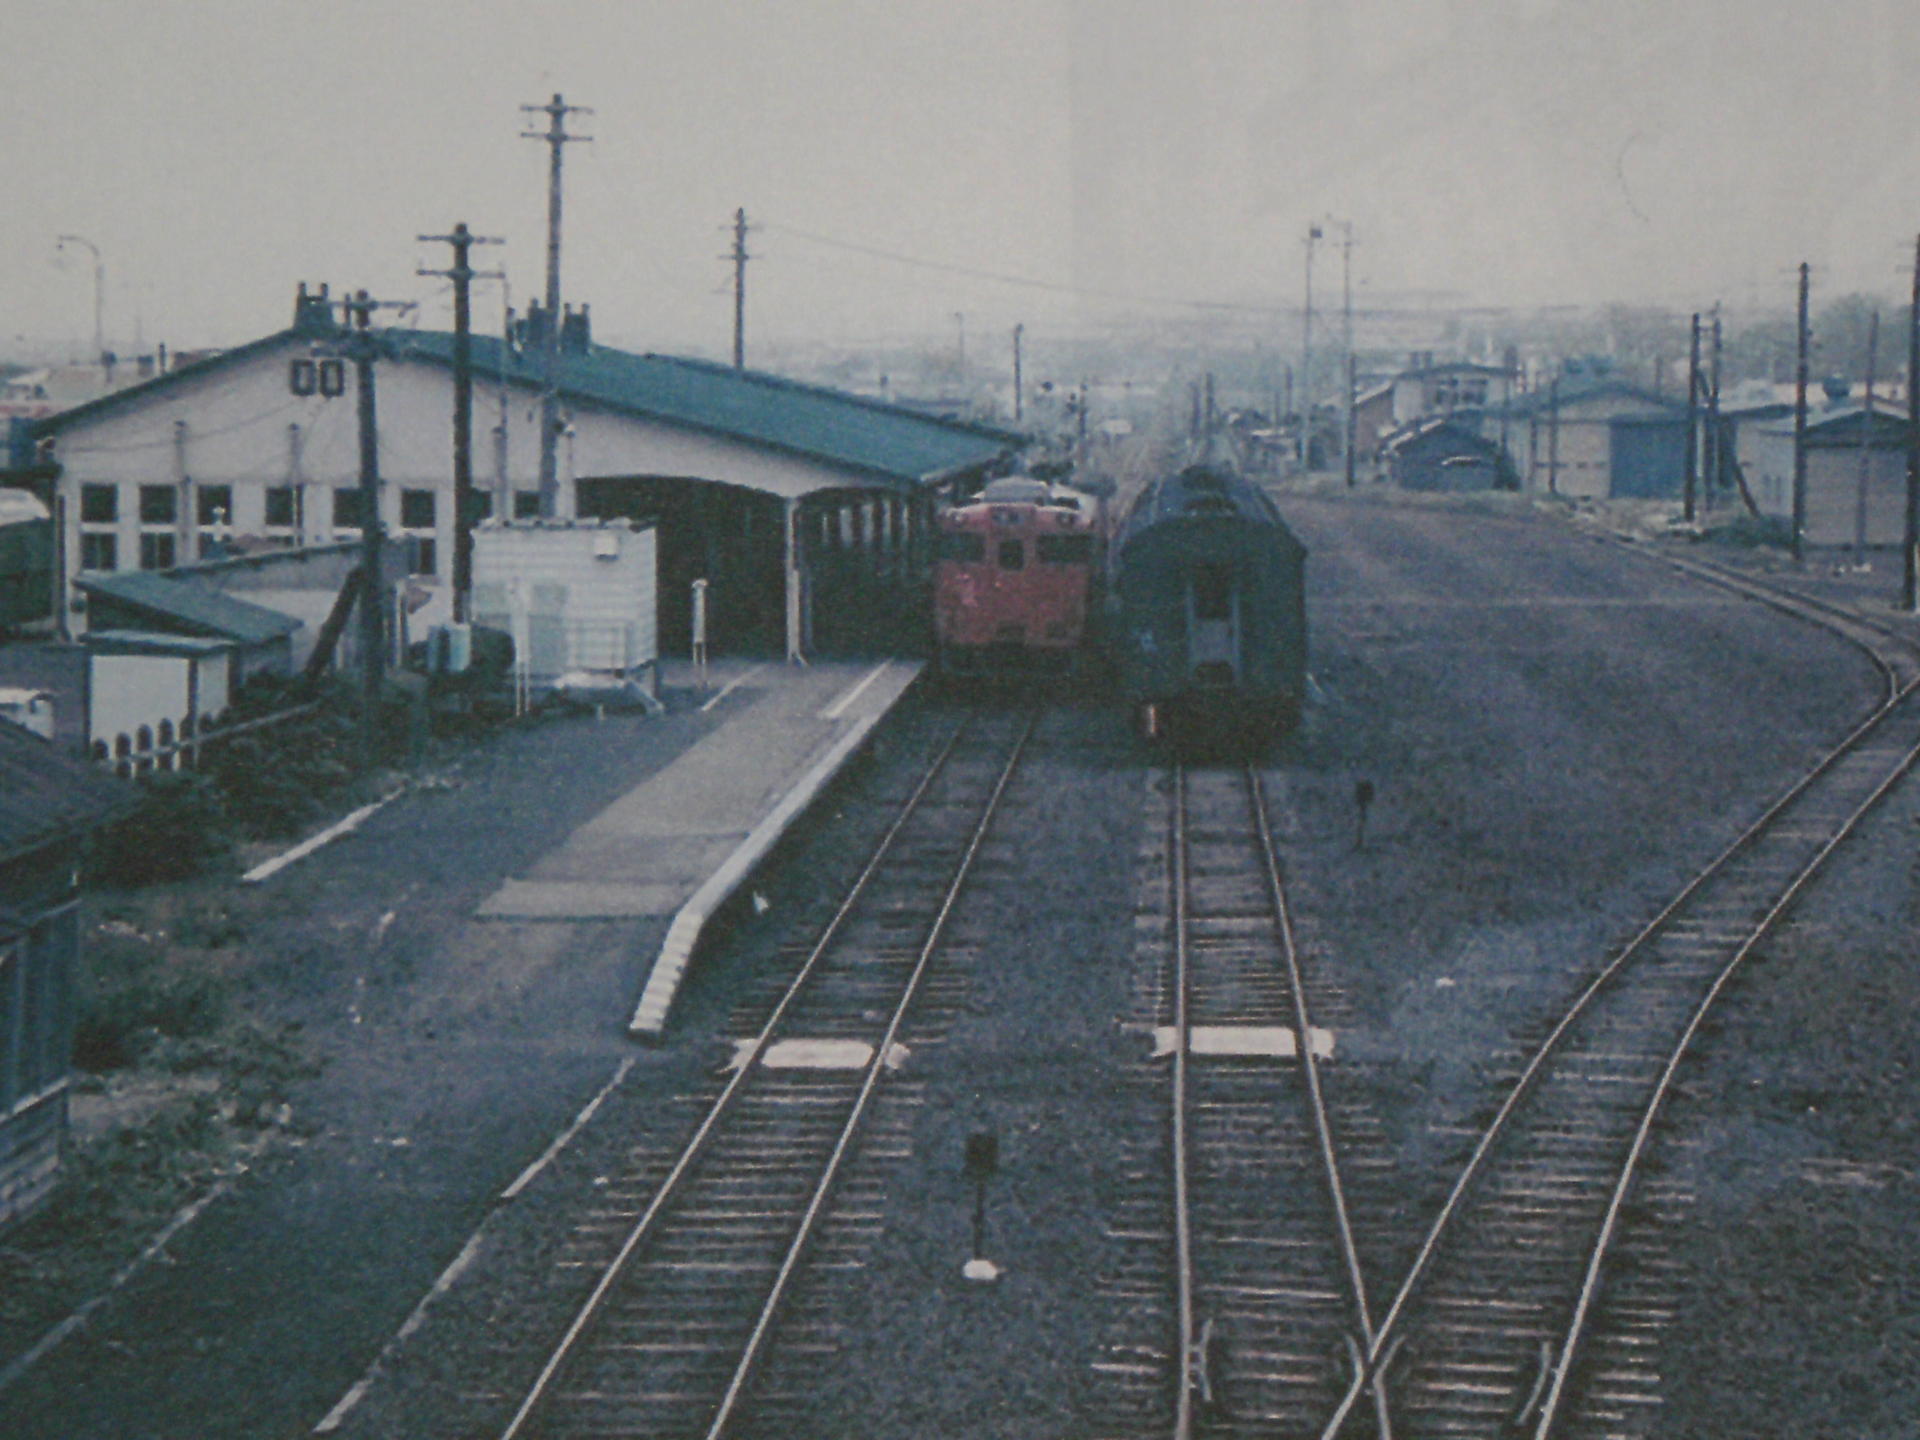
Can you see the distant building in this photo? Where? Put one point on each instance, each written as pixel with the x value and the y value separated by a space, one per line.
pixel 1856 475
pixel 1593 438
pixel 1439 453
pixel 48 805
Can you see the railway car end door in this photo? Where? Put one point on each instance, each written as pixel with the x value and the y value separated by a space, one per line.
pixel 1213 625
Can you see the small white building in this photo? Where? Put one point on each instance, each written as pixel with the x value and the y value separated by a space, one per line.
pixel 575 597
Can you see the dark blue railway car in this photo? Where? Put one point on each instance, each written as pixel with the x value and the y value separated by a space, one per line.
pixel 1207 608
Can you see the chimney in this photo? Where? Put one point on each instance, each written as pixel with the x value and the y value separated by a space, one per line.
pixel 312 313
pixel 574 331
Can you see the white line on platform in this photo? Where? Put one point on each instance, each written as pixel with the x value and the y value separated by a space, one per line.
pixel 561 1140
pixel 731 686
pixel 133 1267
pixel 358 1392
pixel 267 869
pixel 839 707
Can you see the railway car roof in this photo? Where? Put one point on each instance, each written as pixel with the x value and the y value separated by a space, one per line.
pixel 1202 492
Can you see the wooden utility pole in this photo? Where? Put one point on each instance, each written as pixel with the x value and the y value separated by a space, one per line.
pixel 739 258
pixel 1910 563
pixel 1716 461
pixel 1346 334
pixel 557 138
pixel 464 499
pixel 1693 418
pixel 1306 355
pixel 1553 437
pixel 1018 393
pixel 1866 443
pixel 1347 440
pixel 373 591
pixel 1800 426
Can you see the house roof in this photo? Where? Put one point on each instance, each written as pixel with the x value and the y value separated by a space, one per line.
pixel 810 421
pixel 1437 430
pixel 46 796
pixel 190 607
pixel 1540 401
pixel 1842 425
pixel 1453 367
pixel 806 420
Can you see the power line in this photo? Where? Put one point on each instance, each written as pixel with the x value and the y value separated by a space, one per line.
pixel 1024 281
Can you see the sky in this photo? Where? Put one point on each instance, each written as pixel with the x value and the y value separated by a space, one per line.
pixel 932 170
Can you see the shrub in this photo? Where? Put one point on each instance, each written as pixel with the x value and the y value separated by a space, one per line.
pixel 132 993
pixel 180 824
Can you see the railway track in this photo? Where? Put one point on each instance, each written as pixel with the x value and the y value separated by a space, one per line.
pixel 1517 1316
pixel 675 1334
pixel 1238 1272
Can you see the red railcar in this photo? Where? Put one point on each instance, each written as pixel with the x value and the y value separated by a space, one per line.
pixel 1015 579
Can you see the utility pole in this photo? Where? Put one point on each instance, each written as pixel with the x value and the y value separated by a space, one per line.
pixel 1347 440
pixel 1866 443
pixel 1716 437
pixel 1693 419
pixel 556 137
pixel 362 346
pixel 1346 328
pixel 99 295
pixel 1800 427
pixel 1910 566
pixel 463 275
pixel 1306 354
pixel 739 258
pixel 1018 397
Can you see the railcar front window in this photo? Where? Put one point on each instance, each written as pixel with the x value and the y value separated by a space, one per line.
pixel 1064 549
pixel 1013 555
pixel 1212 592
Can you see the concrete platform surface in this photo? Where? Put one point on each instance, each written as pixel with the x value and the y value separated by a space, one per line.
pixel 681 842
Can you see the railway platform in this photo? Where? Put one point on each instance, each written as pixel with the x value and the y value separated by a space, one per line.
pixel 683 841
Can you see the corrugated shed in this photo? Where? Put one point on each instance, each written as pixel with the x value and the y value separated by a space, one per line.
pixel 190 608
pixel 45 796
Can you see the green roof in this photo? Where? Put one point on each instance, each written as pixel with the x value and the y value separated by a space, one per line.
pixel 193 608
pixel 46 795
pixel 813 422
pixel 809 421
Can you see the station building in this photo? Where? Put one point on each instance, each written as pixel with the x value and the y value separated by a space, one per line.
pixel 806 509
pixel 1856 474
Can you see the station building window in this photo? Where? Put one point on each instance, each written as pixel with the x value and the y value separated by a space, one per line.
pixel 99 504
pixel 99 551
pixel 348 512
pixel 159 505
pixel 416 509
pixel 215 505
pixel 281 508
pixel 158 551
pixel 526 504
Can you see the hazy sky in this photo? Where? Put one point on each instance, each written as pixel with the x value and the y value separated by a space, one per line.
pixel 1524 151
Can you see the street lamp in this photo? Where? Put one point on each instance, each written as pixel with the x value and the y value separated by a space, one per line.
pixel 99 293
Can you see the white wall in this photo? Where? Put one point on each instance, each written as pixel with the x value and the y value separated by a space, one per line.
pixel 591 590
pixel 242 427
pixel 129 691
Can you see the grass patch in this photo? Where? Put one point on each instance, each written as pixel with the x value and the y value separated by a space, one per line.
pixel 176 1087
